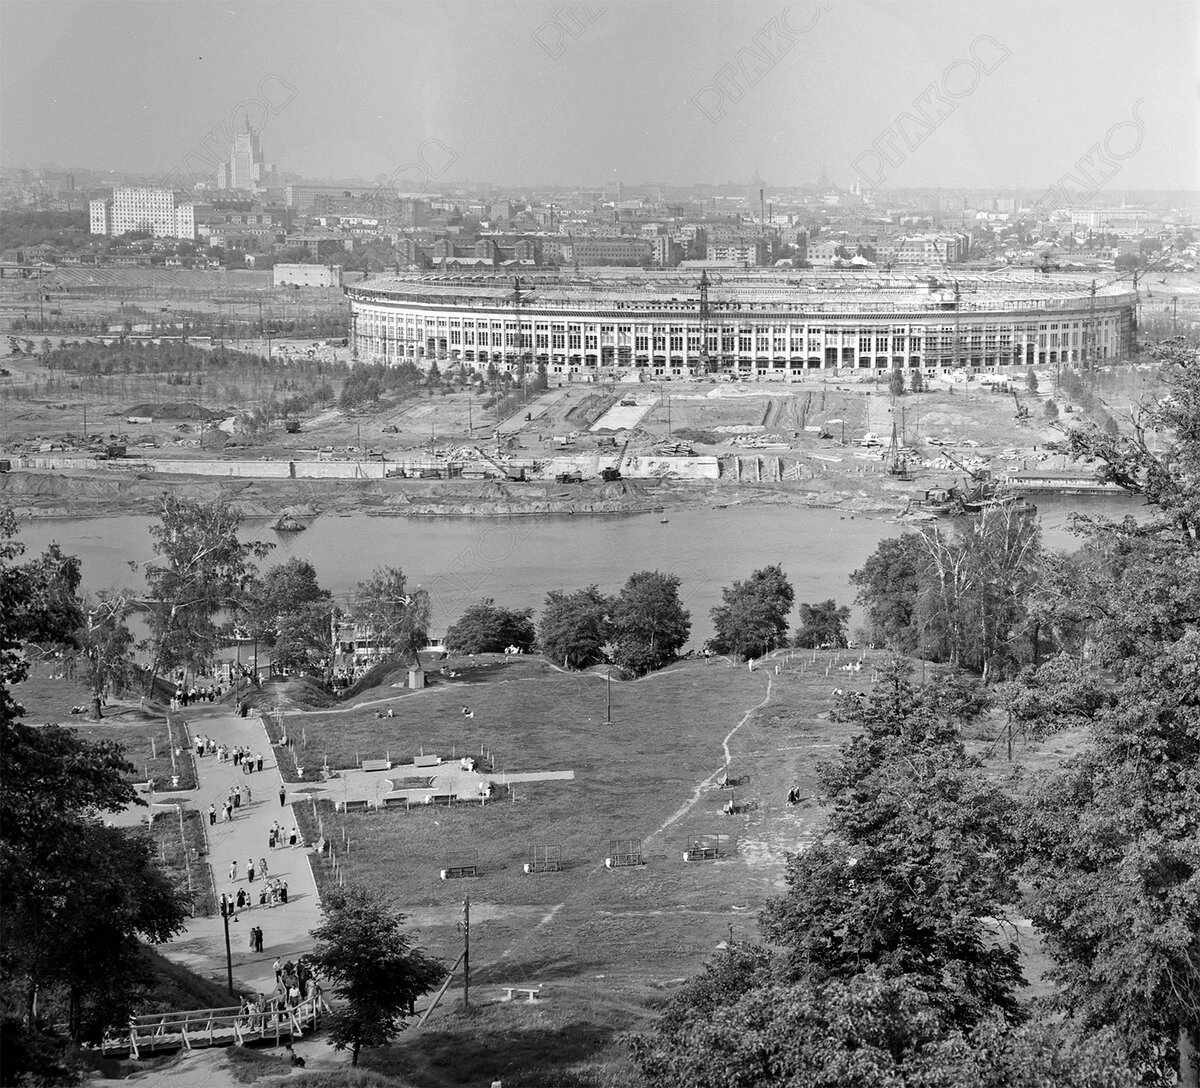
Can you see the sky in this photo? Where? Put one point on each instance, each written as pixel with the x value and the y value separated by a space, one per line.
pixel 1018 93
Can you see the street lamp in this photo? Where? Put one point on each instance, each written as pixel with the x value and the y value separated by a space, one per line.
pixel 227 908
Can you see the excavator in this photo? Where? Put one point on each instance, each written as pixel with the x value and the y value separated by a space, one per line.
pixel 1022 415
pixel 613 472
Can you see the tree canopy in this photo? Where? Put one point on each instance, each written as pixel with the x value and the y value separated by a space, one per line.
pixel 288 610
pixel 822 624
pixel 752 617
pixel 576 627
pixel 649 623
pixel 396 613
pixel 203 570
pixel 487 628
pixel 372 965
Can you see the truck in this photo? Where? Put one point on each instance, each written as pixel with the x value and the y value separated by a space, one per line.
pixel 572 477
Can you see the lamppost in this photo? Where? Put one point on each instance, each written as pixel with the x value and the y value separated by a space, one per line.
pixel 227 908
pixel 608 697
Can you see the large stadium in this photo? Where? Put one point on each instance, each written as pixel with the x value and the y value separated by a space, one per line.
pixel 775 325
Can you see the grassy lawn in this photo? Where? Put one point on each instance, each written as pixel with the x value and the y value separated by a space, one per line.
pixel 183 854
pixel 607 945
pixel 148 747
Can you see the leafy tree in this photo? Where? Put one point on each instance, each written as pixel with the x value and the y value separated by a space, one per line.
pixel 649 623
pixel 1114 840
pixel 108 642
pixel 77 895
pixel 896 382
pixel 1051 410
pixel 822 624
pixel 752 617
pixel 398 615
pixel 1031 380
pixel 541 380
pixel 289 611
pixel 373 965
pixel 486 628
pixel 915 861
pixel 203 570
pixel 916 381
pixel 888 588
pixel 575 627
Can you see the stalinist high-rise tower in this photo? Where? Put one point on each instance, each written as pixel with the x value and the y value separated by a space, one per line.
pixel 245 168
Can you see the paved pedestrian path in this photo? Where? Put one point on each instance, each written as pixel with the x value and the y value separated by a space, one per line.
pixel 285 928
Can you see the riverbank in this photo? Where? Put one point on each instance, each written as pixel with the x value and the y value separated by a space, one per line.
pixel 82 494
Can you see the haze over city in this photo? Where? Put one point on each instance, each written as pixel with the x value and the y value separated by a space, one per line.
pixel 541 94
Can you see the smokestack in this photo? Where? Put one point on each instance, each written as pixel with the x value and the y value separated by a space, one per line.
pixel 762 209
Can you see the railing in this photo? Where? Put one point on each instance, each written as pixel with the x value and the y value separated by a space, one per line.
pixel 215 1027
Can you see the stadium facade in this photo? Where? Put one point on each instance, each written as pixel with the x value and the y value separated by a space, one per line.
pixel 778 326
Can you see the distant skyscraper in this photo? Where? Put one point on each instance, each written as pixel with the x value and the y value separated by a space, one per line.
pixel 245 168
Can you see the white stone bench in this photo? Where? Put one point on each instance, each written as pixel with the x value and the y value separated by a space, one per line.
pixel 376 765
pixel 531 991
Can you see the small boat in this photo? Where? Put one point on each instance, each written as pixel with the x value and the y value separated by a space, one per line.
pixel 662 521
pixel 289 524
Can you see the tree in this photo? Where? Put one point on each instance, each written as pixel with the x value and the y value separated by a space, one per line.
pixel 373 966
pixel 486 628
pixel 1114 840
pixel 1031 380
pixel 288 611
pixel 649 623
pixel 887 589
pixel 396 615
pixel 896 382
pixel 1051 410
pixel 107 643
pixel 76 894
pixel 868 1030
pixel 753 615
pixel 916 862
pixel 822 624
pixel 575 627
pixel 916 381
pixel 203 570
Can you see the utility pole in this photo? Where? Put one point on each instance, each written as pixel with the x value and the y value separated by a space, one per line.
pixel 226 907
pixel 467 952
pixel 608 698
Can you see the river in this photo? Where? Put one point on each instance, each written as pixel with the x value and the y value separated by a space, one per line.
pixel 516 560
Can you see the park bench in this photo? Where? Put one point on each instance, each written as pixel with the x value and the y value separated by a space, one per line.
pixel 532 992
pixel 376 765
pixel 426 761
pixel 701 852
pixel 360 804
pixel 454 872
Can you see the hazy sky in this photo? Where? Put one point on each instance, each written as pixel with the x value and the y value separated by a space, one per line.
pixel 655 90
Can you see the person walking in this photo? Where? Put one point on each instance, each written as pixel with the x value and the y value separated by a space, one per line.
pixel 258 937
pixel 282 796
pixel 233 870
pixel 212 815
pixel 292 837
pixel 246 791
pixel 250 870
pixel 258 762
pixel 278 971
pixel 262 867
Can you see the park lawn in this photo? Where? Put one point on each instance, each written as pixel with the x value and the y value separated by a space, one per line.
pixel 148 746
pixel 591 933
pixel 182 850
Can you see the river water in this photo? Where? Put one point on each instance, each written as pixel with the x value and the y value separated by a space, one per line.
pixel 516 560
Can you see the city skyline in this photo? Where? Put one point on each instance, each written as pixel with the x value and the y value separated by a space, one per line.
pixel 902 95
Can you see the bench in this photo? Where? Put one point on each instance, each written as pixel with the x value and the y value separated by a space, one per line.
pixel 532 991
pixel 426 761
pixel 359 805
pixel 376 765
pixel 619 861
pixel 547 865
pixel 701 852
pixel 454 872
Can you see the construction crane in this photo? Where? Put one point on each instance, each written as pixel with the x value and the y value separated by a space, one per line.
pixel 1022 415
pixel 507 471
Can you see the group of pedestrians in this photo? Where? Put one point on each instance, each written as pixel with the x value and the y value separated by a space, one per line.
pixel 278 838
pixel 234 800
pixel 239 755
pixel 271 893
